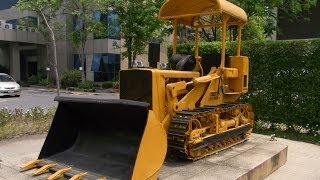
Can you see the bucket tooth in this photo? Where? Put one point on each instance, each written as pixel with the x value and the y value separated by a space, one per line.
pixel 44 169
pixel 59 173
pixel 30 164
pixel 78 176
pixel 102 178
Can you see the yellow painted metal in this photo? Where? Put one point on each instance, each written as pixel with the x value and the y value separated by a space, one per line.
pixel 148 162
pixel 59 174
pixel 177 74
pixel 175 33
pixel 212 95
pixel 175 91
pixel 240 84
pixel 195 136
pixel 224 34
pixel 30 164
pixel 196 49
pixel 79 176
pixel 44 169
pixel 185 11
pixel 159 80
pixel 196 43
pixel 102 178
pixel 239 40
pixel 230 73
pixel 214 25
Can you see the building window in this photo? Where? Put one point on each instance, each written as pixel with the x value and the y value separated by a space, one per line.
pixel 76 61
pixel 105 67
pixel 113 26
pixel 29 21
pixel 77 23
pixel 111 21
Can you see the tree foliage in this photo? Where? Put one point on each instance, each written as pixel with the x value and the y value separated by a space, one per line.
pixel 47 10
pixel 139 24
pixel 265 9
pixel 82 12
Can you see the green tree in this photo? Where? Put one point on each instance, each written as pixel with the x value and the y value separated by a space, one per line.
pixel 265 9
pixel 254 29
pixel 262 18
pixel 139 24
pixel 82 12
pixel 47 10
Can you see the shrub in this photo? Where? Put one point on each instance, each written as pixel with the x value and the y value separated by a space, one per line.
pixel 33 80
pixel 86 85
pixel 284 76
pixel 116 85
pixel 71 78
pixel 107 84
pixel 96 85
pixel 44 82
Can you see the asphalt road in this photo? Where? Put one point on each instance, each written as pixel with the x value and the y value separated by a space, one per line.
pixel 43 98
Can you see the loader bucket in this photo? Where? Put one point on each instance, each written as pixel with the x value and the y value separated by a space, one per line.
pixel 114 139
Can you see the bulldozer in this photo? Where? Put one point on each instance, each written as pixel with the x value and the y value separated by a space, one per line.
pixel 183 111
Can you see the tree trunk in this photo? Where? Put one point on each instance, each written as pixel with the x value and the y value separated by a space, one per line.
pixel 55 60
pixel 134 57
pixel 129 53
pixel 214 32
pixel 206 35
pixel 82 60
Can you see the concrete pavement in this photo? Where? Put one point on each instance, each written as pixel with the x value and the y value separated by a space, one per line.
pixel 303 160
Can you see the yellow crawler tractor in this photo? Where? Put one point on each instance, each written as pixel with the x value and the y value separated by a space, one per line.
pixel 181 111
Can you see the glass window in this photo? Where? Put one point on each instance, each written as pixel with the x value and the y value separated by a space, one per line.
pixel 109 66
pixel 96 62
pixel 76 61
pixel 6 78
pixel 111 21
pixel 77 23
pixel 113 26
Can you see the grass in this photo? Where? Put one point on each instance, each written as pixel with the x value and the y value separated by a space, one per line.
pixel 16 123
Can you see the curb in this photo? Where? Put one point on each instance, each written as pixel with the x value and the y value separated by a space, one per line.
pixel 98 92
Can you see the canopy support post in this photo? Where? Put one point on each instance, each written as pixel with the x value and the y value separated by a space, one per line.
pixel 239 40
pixel 174 46
pixel 223 44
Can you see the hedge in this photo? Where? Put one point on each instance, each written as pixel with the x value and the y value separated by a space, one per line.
pixel 284 78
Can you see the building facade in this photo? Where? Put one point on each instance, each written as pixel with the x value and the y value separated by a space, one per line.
pixel 23 51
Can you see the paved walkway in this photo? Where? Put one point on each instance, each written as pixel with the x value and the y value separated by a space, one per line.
pixel 303 162
pixel 303 158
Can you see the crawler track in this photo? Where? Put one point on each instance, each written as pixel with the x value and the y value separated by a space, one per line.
pixel 214 139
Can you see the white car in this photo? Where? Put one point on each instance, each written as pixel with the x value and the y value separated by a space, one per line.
pixel 8 86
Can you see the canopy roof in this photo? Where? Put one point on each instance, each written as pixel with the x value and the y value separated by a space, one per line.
pixel 190 12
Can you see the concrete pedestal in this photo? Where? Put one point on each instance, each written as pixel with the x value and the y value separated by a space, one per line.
pixel 254 159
